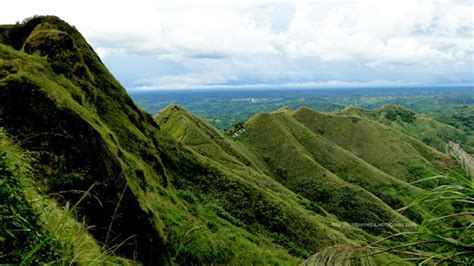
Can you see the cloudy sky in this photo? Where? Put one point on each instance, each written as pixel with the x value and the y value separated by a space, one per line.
pixel 241 43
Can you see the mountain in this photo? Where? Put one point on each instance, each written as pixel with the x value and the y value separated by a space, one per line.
pixel 88 177
pixel 140 194
pixel 275 153
pixel 420 126
pixel 393 152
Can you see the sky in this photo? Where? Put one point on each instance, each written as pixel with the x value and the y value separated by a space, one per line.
pixel 179 44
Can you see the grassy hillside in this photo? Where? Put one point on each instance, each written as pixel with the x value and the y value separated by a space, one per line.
pixel 148 198
pixel 275 146
pixel 281 149
pixel 34 228
pixel 293 166
pixel 420 126
pixel 94 179
pixel 386 148
pixel 349 167
pixel 192 131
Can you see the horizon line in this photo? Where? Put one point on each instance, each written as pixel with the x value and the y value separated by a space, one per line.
pixel 257 87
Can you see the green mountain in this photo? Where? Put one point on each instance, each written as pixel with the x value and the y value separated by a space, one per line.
pixel 307 161
pixel 140 194
pixel 420 126
pixel 87 177
pixel 271 150
pixel 393 152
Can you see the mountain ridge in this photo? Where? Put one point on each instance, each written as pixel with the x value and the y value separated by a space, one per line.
pixel 170 188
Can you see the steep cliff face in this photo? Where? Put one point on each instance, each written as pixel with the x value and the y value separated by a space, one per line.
pixel 65 108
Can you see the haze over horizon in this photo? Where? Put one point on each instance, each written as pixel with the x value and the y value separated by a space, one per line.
pixel 152 45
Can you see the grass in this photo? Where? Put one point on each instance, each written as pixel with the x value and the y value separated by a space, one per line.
pixel 296 157
pixel 445 236
pixel 275 137
pixel 234 156
pixel 421 126
pixel 36 229
pixel 350 255
pixel 465 160
pixel 172 189
pixel 385 148
pixel 83 129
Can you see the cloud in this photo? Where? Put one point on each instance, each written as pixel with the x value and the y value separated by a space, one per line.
pixel 266 42
pixel 295 85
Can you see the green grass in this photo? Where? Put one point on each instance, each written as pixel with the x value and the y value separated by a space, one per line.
pixel 420 126
pixel 281 149
pixel 444 237
pixel 233 159
pixel 148 190
pixel 108 181
pixel 292 154
pixel 395 153
pixel 34 228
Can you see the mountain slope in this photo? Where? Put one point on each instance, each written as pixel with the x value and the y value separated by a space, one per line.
pixel 351 168
pixel 420 126
pixel 31 220
pixel 98 180
pixel 140 193
pixel 389 150
pixel 295 167
pixel 66 120
pixel 229 156
pixel 276 146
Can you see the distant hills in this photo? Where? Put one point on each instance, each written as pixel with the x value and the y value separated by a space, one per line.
pixel 421 126
pixel 88 177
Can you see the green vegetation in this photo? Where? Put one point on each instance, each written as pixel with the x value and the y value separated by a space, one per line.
pixel 225 108
pixel 98 180
pixel 34 228
pixel 421 126
pixel 387 149
pixel 152 200
pixel 293 154
pixel 445 235
pixel 21 231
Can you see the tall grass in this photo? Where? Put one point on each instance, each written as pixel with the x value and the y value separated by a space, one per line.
pixel 343 255
pixel 446 234
pixel 77 246
pixel 39 230
pixel 464 159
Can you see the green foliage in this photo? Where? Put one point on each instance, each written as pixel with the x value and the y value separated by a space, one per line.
pixel 173 189
pixel 389 150
pixel 399 113
pixel 21 237
pixel 34 230
pixel 241 188
pixel 445 235
pixel 423 127
pixel 290 168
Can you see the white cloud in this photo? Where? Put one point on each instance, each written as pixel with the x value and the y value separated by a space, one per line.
pixel 219 42
pixel 299 85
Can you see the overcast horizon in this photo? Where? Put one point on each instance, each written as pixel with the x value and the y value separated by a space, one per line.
pixel 152 45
